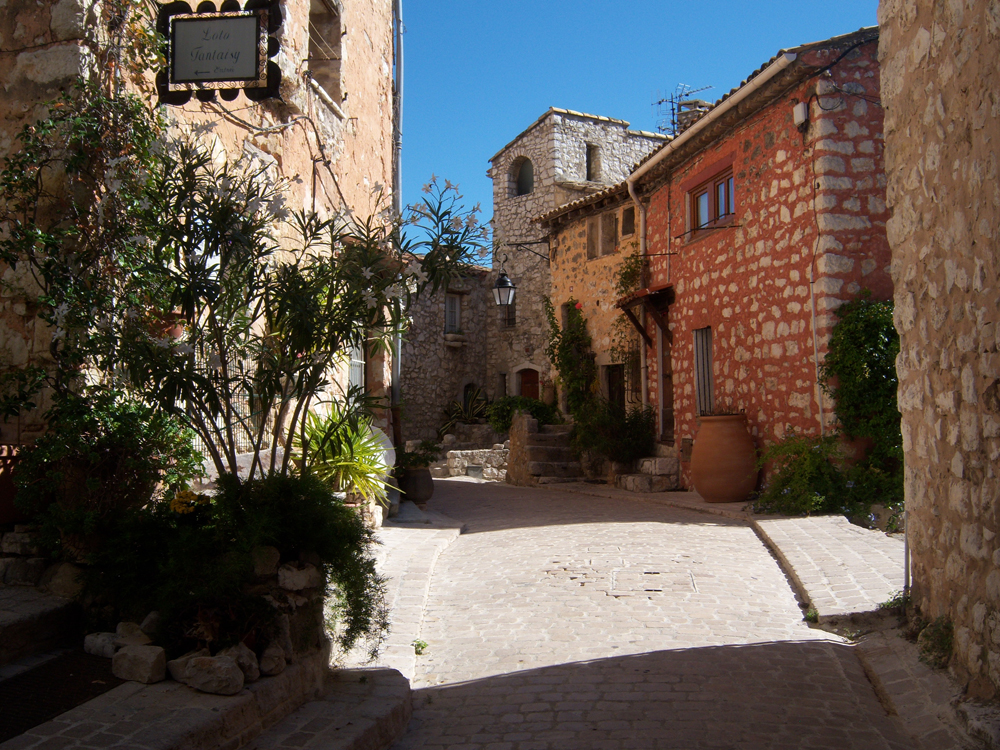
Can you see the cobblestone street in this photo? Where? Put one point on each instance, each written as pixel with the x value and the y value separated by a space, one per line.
pixel 559 620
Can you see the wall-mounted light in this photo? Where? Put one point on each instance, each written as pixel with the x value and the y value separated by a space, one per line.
pixel 503 290
pixel 800 115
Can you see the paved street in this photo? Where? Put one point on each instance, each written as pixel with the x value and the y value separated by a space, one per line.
pixel 559 620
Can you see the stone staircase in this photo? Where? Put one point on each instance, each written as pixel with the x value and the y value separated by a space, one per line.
pixel 656 474
pixel 550 458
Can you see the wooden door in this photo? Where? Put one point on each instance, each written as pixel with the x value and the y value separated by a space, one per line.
pixel 529 383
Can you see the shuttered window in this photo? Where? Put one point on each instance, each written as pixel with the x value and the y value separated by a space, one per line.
pixel 703 370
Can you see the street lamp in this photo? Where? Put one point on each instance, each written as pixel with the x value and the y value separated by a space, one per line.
pixel 503 290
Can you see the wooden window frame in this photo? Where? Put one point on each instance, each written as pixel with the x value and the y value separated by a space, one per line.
pixel 720 213
pixel 455 327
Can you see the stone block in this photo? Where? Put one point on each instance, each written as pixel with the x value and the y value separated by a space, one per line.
pixel 19 543
pixel 178 667
pixel 292 577
pixel 245 659
pixel 265 561
pixel 63 579
pixel 218 675
pixel 24 571
pixel 130 634
pixel 272 661
pixel 151 624
pixel 100 644
pixel 145 664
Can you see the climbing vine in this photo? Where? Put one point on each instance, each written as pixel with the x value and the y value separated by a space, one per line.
pixel 570 352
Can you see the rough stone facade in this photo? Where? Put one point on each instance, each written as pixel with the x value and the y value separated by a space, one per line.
pixel 438 366
pixel 557 146
pixel 806 233
pixel 939 87
pixel 809 234
pixel 336 144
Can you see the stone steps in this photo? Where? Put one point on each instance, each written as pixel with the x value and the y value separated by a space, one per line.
pixel 554 439
pixel 645 483
pixel 555 468
pixel 547 453
pixel 32 622
pixel 555 429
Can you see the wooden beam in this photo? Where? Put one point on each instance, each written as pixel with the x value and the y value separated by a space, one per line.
pixel 658 319
pixel 638 326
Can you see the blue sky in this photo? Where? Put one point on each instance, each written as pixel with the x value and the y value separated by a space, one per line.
pixel 478 73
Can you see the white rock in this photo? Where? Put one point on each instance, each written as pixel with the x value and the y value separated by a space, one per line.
pixel 63 579
pixel 100 644
pixel 272 661
pixel 245 659
pixel 146 664
pixel 293 578
pixel 151 625
pixel 178 667
pixel 218 675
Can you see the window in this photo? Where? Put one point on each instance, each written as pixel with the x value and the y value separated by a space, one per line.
pixel 508 315
pixel 616 384
pixel 704 386
pixel 524 177
pixel 325 47
pixel 356 372
pixel 628 221
pixel 713 202
pixel 602 235
pixel 452 313
pixel 593 171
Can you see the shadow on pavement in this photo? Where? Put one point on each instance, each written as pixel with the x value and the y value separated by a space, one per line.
pixel 495 506
pixel 784 695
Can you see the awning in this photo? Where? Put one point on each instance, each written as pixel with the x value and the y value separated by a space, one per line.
pixel 654 299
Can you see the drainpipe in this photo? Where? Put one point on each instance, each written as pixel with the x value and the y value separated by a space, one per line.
pixel 397 205
pixel 784 60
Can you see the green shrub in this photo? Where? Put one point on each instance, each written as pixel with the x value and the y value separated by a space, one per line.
pixel 500 413
pixel 465 412
pixel 196 567
pixel 804 477
pixel 617 433
pixel 103 454
pixel 342 450
pixel 570 352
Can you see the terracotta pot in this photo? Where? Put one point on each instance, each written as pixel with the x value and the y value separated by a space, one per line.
pixel 417 485
pixel 724 460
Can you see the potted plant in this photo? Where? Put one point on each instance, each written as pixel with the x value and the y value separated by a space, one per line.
pixel 724 458
pixel 413 475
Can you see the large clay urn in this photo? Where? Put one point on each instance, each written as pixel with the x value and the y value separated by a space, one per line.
pixel 723 459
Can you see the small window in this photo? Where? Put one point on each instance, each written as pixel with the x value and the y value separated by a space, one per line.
pixel 704 385
pixel 452 313
pixel 501 384
pixel 325 47
pixel 616 385
pixel 609 233
pixel 628 221
pixel 713 203
pixel 593 163
pixel 593 228
pixel 525 178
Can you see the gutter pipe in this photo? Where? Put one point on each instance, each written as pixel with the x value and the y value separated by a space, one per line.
pixel 783 61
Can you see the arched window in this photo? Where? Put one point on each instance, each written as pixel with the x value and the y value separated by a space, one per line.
pixel 524 177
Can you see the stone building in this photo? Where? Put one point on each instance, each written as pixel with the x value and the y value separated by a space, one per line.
pixel 942 124
pixel 444 352
pixel 558 158
pixel 755 227
pixel 330 131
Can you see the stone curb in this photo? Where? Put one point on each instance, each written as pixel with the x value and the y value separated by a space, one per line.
pixel 172 716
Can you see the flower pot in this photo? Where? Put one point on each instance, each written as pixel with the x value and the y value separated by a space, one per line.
pixel 724 460
pixel 417 485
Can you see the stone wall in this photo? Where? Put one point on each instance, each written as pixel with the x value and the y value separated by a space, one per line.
pixel 939 87
pixel 807 235
pixel 337 157
pixel 556 144
pixel 437 366
pixel 521 427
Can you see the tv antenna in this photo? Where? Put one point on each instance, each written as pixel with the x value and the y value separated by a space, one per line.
pixel 670 110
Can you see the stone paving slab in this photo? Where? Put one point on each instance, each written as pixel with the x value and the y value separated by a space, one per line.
pixel 33 622
pixel 362 709
pixel 560 620
pixel 920 696
pixel 843 569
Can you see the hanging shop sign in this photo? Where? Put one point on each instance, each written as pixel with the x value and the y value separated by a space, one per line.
pixel 222 52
